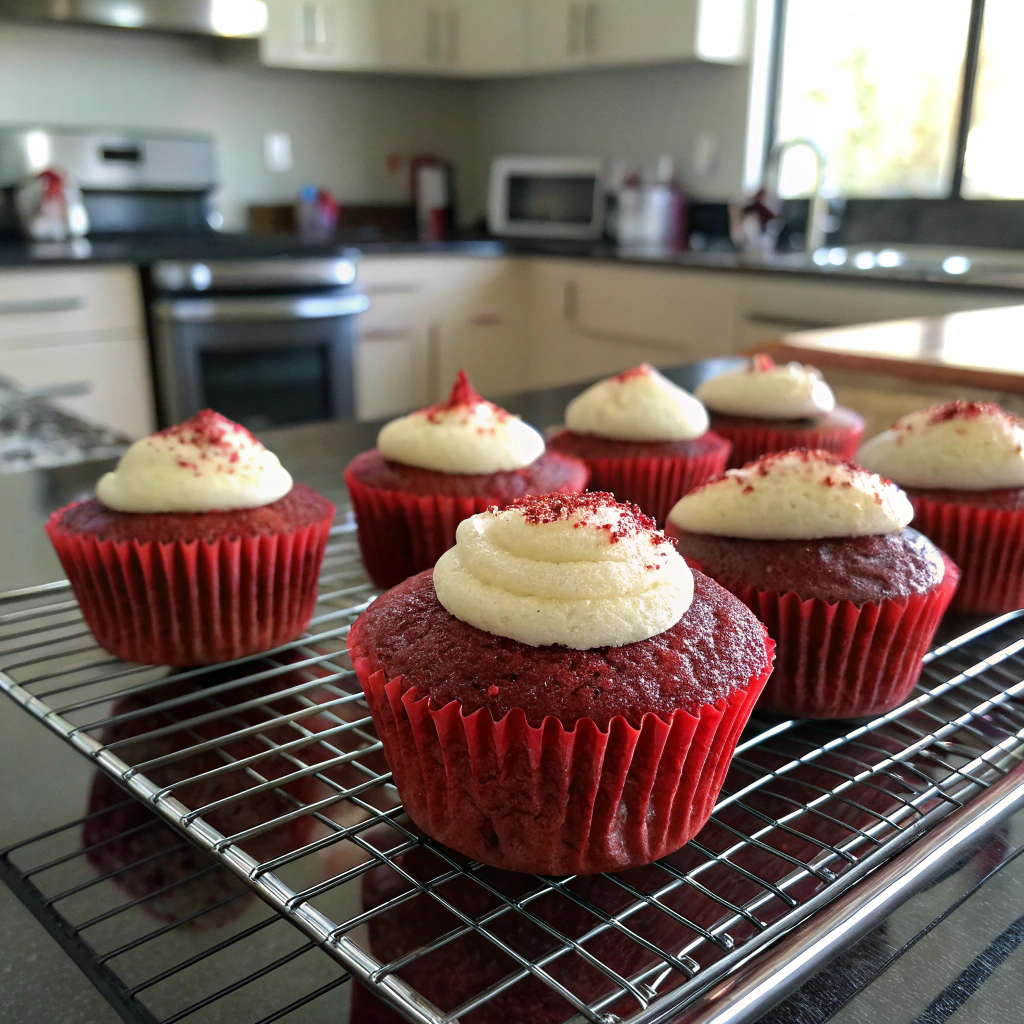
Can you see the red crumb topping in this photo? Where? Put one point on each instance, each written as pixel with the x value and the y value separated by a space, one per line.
pixel 553 508
pixel 207 429
pixel 463 396
pixel 643 370
pixel 763 466
pixel 960 410
pixel 761 362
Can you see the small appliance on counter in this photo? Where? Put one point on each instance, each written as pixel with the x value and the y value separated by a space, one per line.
pixel 546 197
pixel 127 182
pixel 651 215
pixel 433 188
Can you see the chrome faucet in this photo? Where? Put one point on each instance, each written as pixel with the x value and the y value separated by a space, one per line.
pixel 817 211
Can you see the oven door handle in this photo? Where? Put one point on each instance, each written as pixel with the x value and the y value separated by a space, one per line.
pixel 244 309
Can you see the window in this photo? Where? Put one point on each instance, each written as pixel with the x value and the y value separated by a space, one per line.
pixel 875 83
pixel 994 159
pixel 905 98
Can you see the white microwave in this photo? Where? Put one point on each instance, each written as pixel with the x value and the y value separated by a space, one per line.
pixel 546 197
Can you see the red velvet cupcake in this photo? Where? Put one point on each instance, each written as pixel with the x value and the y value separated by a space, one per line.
pixel 765 408
pixel 438 466
pixel 962 465
pixel 197 549
pixel 643 439
pixel 819 549
pixel 561 695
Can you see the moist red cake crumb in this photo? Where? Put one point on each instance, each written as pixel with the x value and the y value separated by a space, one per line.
pixel 550 472
pixel 300 507
pixel 1008 499
pixel 856 569
pixel 715 648
pixel 463 396
pixel 553 508
pixel 643 370
pixel 961 410
pixel 591 446
pixel 840 418
pixel 761 363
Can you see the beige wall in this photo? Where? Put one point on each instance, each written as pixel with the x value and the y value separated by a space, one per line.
pixel 634 113
pixel 342 126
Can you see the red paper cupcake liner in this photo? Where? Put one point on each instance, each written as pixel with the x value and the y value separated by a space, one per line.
pixel 655 484
pixel 193 602
pixel 750 443
pixel 988 547
pixel 843 660
pixel 547 799
pixel 403 534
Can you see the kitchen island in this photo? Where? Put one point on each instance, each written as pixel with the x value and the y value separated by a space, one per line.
pixel 949 953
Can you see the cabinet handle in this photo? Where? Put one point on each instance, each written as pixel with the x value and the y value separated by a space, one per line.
pixel 69 389
pixel 433 37
pixel 316 34
pixel 590 28
pixel 22 307
pixel 789 323
pixel 451 19
pixel 384 333
pixel 485 319
pixel 573 39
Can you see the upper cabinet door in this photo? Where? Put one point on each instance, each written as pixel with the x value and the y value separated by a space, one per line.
pixel 562 34
pixel 327 34
pixel 412 35
pixel 485 37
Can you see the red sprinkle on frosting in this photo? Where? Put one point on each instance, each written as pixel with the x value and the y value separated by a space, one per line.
pixel 553 508
pixel 960 410
pixel 464 396
pixel 643 370
pixel 208 429
pixel 761 362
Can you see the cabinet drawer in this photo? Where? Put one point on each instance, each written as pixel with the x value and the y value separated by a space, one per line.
pixel 41 302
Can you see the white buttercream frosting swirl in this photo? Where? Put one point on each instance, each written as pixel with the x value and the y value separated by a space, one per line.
pixel 963 446
pixel 578 570
pixel 795 495
pixel 206 464
pixel 637 405
pixel 465 435
pixel 764 390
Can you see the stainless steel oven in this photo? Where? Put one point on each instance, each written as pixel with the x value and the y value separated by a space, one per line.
pixel 265 342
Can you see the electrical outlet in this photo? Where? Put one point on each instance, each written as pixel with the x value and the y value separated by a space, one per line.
pixel 277 151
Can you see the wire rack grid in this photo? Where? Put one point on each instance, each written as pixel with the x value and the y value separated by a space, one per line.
pixel 271 766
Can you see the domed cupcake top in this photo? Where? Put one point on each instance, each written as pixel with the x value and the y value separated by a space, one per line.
pixel 466 434
pixel 764 390
pixel 206 464
pixel 963 446
pixel 795 495
pixel 637 405
pixel 578 570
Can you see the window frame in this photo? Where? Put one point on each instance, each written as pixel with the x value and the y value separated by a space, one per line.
pixel 965 104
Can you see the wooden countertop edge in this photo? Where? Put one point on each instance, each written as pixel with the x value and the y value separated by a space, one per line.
pixel 929 373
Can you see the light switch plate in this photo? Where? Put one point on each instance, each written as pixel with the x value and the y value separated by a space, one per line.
pixel 277 151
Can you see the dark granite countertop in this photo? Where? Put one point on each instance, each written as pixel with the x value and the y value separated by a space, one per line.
pixel 143 250
pixel 950 953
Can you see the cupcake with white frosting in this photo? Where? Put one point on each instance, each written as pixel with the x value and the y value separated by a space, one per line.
pixel 197 548
pixel 643 438
pixel 562 694
pixel 439 465
pixel 764 407
pixel 962 466
pixel 820 550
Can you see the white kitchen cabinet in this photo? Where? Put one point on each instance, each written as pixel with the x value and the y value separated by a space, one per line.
pixel 330 35
pixel 563 34
pixel 590 319
pixel 80 330
pixel 452 37
pixel 770 305
pixel 431 316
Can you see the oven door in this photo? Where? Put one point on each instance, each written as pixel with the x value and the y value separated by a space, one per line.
pixel 262 360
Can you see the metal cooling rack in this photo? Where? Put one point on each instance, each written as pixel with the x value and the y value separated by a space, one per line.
pixel 271 766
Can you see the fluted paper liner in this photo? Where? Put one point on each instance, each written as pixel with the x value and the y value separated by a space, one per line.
pixel 193 602
pixel 655 483
pixel 402 534
pixel 988 547
pixel 844 660
pixel 548 799
pixel 751 442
